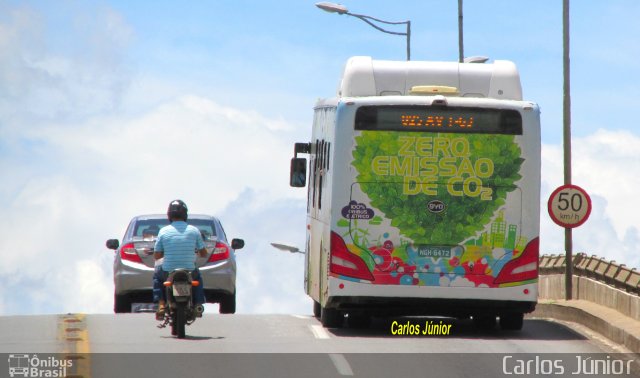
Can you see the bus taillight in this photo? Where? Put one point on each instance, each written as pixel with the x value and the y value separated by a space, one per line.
pixel 524 268
pixel 345 263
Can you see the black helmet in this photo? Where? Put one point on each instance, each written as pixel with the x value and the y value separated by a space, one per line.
pixel 177 210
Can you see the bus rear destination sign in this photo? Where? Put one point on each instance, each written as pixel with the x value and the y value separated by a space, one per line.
pixel 435 121
pixel 439 119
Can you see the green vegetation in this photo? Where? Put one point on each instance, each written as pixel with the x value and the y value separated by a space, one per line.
pixel 465 214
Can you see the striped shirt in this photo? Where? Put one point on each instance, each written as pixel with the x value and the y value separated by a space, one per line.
pixel 179 242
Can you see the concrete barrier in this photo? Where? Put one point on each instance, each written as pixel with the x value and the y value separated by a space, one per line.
pixel 596 268
pixel 595 280
pixel 584 288
pixel 604 296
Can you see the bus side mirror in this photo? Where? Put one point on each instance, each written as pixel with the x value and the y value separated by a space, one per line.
pixel 298 173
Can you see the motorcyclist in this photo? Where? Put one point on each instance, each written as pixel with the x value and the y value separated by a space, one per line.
pixel 176 243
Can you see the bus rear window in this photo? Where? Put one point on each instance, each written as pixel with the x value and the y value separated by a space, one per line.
pixel 439 119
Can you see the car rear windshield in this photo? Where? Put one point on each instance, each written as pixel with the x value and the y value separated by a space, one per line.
pixel 149 228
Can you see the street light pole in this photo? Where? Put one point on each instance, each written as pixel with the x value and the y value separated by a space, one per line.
pixel 341 9
pixel 460 36
pixel 566 111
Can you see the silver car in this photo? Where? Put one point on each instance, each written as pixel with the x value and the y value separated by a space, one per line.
pixel 134 264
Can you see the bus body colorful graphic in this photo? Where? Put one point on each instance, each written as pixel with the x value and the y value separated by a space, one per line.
pixel 423 194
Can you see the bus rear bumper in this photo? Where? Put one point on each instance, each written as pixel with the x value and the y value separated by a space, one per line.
pixel 394 300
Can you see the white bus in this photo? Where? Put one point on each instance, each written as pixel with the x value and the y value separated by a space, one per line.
pixel 423 194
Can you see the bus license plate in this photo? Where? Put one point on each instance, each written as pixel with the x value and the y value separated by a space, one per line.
pixel 434 251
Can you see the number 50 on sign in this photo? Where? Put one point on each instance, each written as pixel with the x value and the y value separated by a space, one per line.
pixel 569 206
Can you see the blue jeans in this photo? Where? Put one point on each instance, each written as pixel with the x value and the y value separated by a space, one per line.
pixel 159 276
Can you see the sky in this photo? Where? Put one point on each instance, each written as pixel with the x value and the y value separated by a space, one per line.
pixel 109 109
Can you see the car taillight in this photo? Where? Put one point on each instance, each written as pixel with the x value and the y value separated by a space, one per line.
pixel 345 263
pixel 220 252
pixel 128 252
pixel 524 268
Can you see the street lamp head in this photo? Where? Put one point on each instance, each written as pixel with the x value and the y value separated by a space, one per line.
pixel 332 7
pixel 341 9
pixel 286 248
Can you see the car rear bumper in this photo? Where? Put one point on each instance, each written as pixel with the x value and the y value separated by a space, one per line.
pixel 219 277
pixel 132 278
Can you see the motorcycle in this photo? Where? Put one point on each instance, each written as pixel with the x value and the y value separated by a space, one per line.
pixel 180 310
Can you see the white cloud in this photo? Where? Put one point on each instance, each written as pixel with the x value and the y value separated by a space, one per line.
pixel 41 77
pixel 461 282
pixel 20 39
pixel 269 280
pixel 94 286
pixel 86 143
pixel 75 167
pixel 105 171
pixel 191 148
pixel 605 164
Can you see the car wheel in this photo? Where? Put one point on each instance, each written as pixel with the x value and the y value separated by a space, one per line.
pixel 228 304
pixel 121 303
pixel 317 309
pixel 512 321
pixel 331 318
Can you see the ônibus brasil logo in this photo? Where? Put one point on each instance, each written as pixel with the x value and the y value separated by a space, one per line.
pixel 31 366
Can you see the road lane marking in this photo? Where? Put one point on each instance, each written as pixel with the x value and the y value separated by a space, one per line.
pixel 301 316
pixel 73 336
pixel 319 332
pixel 341 364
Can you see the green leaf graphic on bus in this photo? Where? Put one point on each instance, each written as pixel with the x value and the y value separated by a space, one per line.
pixel 471 174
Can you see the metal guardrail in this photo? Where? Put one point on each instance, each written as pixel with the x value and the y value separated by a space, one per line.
pixel 594 267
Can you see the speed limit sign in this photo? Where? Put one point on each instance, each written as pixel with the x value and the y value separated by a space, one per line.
pixel 569 206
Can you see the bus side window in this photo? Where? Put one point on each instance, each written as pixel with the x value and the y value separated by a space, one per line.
pixel 315 171
pixel 325 167
pixel 320 173
pixel 328 155
pixel 309 180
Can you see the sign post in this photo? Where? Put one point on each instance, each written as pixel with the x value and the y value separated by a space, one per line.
pixel 569 206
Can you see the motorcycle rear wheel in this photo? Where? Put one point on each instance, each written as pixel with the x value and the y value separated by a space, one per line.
pixel 174 322
pixel 181 319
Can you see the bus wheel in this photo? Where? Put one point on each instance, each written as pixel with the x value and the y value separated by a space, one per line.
pixel 317 310
pixel 512 321
pixel 358 320
pixel 331 318
pixel 484 322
